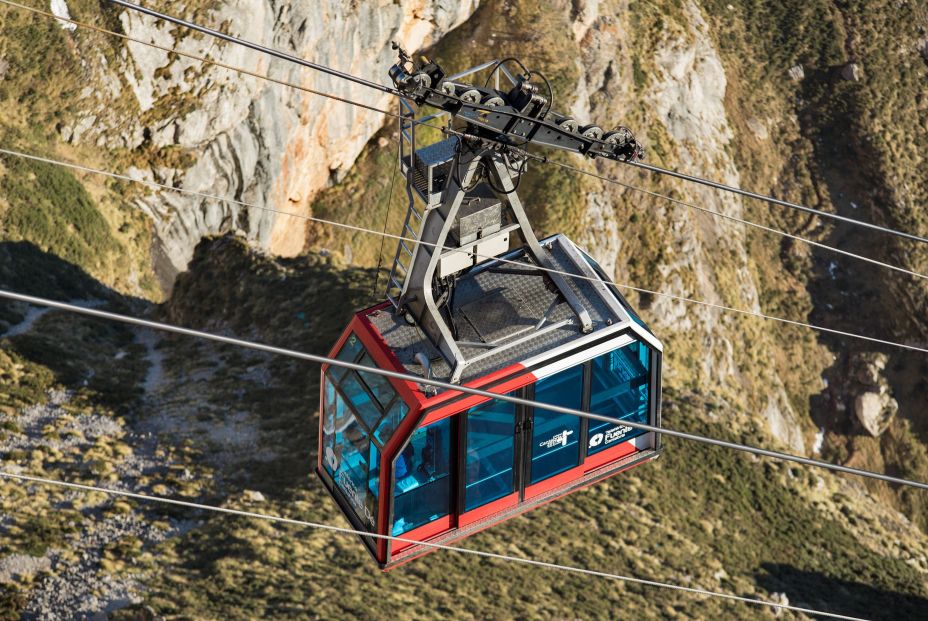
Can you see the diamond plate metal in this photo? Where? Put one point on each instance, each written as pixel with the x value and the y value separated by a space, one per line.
pixel 500 302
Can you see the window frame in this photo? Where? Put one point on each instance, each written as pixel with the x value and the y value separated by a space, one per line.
pixel 524 390
pixel 654 359
pixel 335 376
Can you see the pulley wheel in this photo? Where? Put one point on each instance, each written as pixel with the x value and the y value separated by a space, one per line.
pixel 568 124
pixel 592 131
pixel 471 96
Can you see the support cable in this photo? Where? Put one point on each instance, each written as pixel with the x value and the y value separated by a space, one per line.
pixel 325 360
pixel 775 201
pixel 331 528
pixel 451 132
pixel 258 48
pixel 360 229
pixel 755 225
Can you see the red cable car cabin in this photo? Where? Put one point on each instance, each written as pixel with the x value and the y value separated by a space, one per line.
pixel 424 464
pixel 465 306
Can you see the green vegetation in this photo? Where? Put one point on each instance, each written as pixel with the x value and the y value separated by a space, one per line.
pixel 716 518
pixel 112 367
pixel 35 534
pixel 51 209
pixel 55 81
pixel 286 299
pixel 851 141
pixel 699 516
pixel 23 382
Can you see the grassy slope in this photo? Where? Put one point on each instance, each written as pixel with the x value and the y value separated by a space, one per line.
pixel 237 569
pixel 693 513
pixel 855 142
pixel 56 79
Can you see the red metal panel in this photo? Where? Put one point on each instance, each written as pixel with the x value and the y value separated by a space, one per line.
pixel 465 404
pixel 475 515
pixel 424 532
pixel 616 452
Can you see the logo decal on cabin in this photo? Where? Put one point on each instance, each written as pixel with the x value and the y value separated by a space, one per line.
pixel 558 440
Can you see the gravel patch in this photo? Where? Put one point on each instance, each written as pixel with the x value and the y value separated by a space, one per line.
pixel 37 312
pixel 82 589
pixel 21 565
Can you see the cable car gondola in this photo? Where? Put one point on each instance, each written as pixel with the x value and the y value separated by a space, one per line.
pixel 468 305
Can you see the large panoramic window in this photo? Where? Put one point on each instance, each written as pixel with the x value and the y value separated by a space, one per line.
pixel 556 437
pixel 422 475
pixel 360 413
pixel 488 469
pixel 619 390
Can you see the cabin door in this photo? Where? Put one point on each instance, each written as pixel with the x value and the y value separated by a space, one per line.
pixel 551 440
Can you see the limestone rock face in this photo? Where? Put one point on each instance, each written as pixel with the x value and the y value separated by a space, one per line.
pixel 255 141
pixel 686 95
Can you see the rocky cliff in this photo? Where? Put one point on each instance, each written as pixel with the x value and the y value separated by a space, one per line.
pixel 802 100
pixel 243 137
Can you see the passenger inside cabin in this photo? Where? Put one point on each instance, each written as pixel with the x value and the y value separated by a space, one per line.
pixel 404 463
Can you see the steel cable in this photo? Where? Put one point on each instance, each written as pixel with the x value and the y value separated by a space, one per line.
pixel 438 546
pixel 360 229
pixel 146 323
pixel 448 131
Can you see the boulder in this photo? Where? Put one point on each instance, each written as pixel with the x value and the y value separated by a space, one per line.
pixel 779 598
pixel 796 73
pixel 851 72
pixel 253 497
pixel 875 411
pixel 867 368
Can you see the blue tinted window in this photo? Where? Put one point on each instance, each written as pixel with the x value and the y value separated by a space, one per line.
pixel 620 390
pixel 349 456
pixel 556 437
pixel 348 353
pixel 490 439
pixel 350 463
pixel 377 384
pixel 360 400
pixel 422 491
pixel 390 422
pixel 336 416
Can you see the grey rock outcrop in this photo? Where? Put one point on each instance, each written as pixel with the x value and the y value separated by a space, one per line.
pixel 851 72
pixel 874 407
pixel 686 94
pixel 258 142
pixel 874 411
